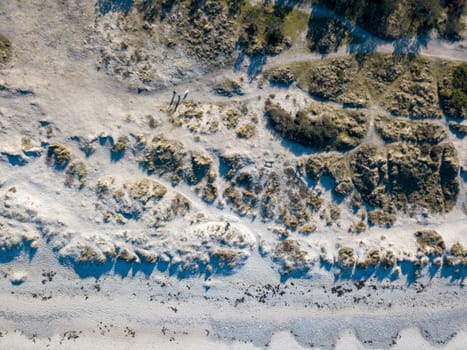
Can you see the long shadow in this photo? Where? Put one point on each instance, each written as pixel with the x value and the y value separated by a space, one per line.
pixel 122 268
pixel 106 6
pixel 383 272
pixel 361 274
pixel 104 139
pixel 408 269
pixel 463 174
pixel 433 270
pixel 116 156
pixel 326 265
pixel 256 65
pixel 406 46
pixel 324 23
pixel 239 61
pixel 220 267
pixel 304 273
pixel 86 270
pixel 361 41
pixel 9 255
pixel 145 268
pixel 288 4
pixel 15 160
pixel 454 273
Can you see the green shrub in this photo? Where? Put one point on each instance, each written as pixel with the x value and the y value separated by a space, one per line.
pixel 453 92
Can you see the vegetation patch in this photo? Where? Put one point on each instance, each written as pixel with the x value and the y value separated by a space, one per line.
pixel 372 259
pixel 76 170
pixel 228 88
pixel 281 76
pixel 391 19
pixel 326 35
pixel 246 131
pixel 397 129
pixel 403 174
pixel 405 86
pixel 459 128
pixel 5 49
pixel 322 129
pixel 163 155
pixel 291 256
pixel 414 93
pixel 262 28
pixel 457 255
pixel 334 165
pixel 346 258
pixel 453 91
pixel 381 218
pixel 430 242
pixel 120 146
pixel 333 79
pixel 211 30
pixel 58 155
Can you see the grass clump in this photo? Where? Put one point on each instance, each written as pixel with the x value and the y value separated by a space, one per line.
pixel 228 88
pixel 58 154
pixel 246 131
pixel 281 76
pixel 76 170
pixel 231 118
pixel 120 146
pixel 5 49
pixel 346 258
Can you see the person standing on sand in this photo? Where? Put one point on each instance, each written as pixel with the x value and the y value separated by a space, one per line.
pixel 178 102
pixel 173 97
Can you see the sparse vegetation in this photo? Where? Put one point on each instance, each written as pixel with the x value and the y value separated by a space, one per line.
pixel 76 170
pixel 381 218
pixel 292 256
pixel 346 258
pixel 120 146
pixel 231 118
pixel 5 49
pixel 228 88
pixel 246 131
pixel 430 242
pixel 58 155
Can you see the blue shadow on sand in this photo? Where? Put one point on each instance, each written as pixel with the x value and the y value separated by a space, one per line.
pixel 8 255
pixel 106 6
